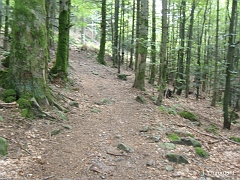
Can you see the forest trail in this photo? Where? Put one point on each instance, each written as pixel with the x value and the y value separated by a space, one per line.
pixel 108 114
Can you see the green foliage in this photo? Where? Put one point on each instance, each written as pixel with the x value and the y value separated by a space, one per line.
pixel 140 99
pixel 9 95
pixel 171 110
pixel 202 153
pixel 24 103
pixel 212 128
pixel 189 115
pixel 3 78
pixel 173 137
pixel 236 139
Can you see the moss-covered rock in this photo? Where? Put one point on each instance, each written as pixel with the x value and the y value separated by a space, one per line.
pixel 140 99
pixel 122 77
pixel 236 139
pixel 189 115
pixel 202 153
pixel 211 128
pixel 9 95
pixel 26 107
pixel 125 147
pixel 179 159
pixel 173 137
pixel 167 145
pixel 3 146
pixel 187 142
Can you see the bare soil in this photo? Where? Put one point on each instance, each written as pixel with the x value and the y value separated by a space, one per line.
pixel 108 114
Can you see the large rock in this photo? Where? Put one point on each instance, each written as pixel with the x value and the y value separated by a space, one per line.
pixel 3 146
pixel 179 159
pixel 167 145
pixel 187 141
pixel 125 147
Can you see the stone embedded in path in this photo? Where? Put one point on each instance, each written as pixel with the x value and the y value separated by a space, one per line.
pixel 150 163
pixel 145 129
pixel 74 103
pixel 3 146
pixel 156 138
pixel 125 147
pixel 179 159
pixel 167 145
pixel 187 141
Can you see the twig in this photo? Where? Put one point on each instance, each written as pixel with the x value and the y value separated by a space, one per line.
pixel 89 167
pixel 229 140
pixel 8 105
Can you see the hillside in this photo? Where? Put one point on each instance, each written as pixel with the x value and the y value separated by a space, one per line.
pixel 88 142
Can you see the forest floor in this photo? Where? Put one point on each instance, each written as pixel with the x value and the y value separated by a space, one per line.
pixel 83 143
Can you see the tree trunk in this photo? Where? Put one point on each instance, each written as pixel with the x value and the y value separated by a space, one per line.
pixel 163 54
pixel 230 55
pixel 115 48
pixel 153 45
pixel 60 67
pixel 6 32
pixel 139 81
pixel 28 58
pixel 101 53
pixel 215 90
pixel 179 78
pixel 189 49
pixel 132 38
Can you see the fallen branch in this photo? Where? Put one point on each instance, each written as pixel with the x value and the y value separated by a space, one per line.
pixel 47 177
pixel 8 105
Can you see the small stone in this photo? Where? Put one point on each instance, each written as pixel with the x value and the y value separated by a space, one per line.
pixel 145 129
pixel 169 168
pixel 66 126
pixel 74 103
pixel 118 136
pixel 150 163
pixel 124 147
pixel 55 132
pixel 179 159
pixel 167 145
pixel 156 138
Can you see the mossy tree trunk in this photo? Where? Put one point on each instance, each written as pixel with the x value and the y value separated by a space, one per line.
pixel 230 55
pixel 28 56
pixel 101 53
pixel 163 54
pixel 115 45
pixel 6 31
pixel 132 37
pixel 60 67
pixel 139 81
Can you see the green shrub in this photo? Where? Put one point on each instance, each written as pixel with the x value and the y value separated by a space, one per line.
pixel 24 103
pixel 189 115
pixel 202 153
pixel 212 128
pixel 9 95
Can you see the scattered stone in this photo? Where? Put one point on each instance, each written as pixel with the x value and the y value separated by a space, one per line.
pixel 169 168
pixel 183 133
pixel 74 103
pixel 202 153
pixel 167 145
pixel 124 147
pixel 189 115
pixel 187 141
pixel 118 136
pixel 95 73
pixel 156 138
pixel 179 159
pixel 105 101
pixel 150 163
pixel 95 110
pixel 55 132
pixel 145 129
pixel 161 127
pixel 3 146
pixel 66 126
pixel 140 99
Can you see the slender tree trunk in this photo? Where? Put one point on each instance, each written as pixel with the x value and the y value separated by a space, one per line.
pixel 137 33
pixel 123 32
pixel 215 82
pixel 132 38
pixel 6 31
pixel 153 45
pixel 61 64
pixel 179 78
pixel 101 54
pixel 83 31
pixel 230 55
pixel 115 52
pixel 189 48
pixel 163 53
pixel 1 14
pixel 139 81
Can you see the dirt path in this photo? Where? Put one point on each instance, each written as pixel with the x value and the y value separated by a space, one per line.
pixel 108 115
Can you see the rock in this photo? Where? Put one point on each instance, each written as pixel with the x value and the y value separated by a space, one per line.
pixel 167 145
pixel 74 103
pixel 145 129
pixel 122 77
pixel 169 168
pixel 3 146
pixel 95 110
pixel 189 115
pixel 140 99
pixel 1 118
pixel 118 136
pixel 55 132
pixel 150 163
pixel 179 159
pixel 187 141
pixel 124 147
pixel 182 133
pixel 66 126
pixel 156 138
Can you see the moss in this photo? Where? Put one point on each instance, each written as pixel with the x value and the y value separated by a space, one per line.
pixel 3 77
pixel 140 99
pixel 9 95
pixel 202 153
pixel 173 137
pixel 236 139
pixel 189 115
pixel 24 103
